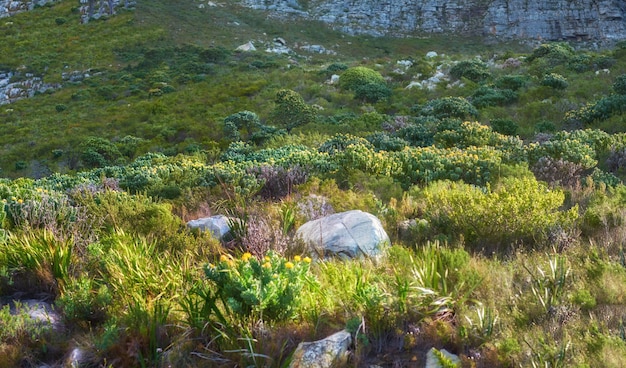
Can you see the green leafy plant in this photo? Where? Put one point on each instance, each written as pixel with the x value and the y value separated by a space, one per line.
pixel 268 289
pixel 291 110
pixel 474 70
pixel 360 76
pixel 549 286
pixel 555 81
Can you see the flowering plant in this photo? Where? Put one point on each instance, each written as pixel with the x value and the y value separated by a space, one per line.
pixel 267 288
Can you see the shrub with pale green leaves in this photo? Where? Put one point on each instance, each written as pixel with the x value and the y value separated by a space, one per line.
pixel 517 210
pixel 359 76
pixel 268 288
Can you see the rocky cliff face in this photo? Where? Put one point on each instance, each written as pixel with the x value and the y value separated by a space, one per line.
pixel 537 19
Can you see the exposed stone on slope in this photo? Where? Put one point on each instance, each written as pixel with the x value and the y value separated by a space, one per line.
pixel 536 19
pixel 12 7
pixel 218 226
pixel 331 352
pixel 26 86
pixel 348 235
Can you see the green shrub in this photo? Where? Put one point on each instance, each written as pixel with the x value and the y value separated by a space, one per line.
pixel 83 300
pixel 512 82
pixel 504 126
pixel 291 111
pixel 518 209
pixel 336 67
pixel 98 152
pixel 545 126
pixel 554 53
pixel 241 125
pixel 383 142
pixel 268 289
pixel 619 86
pixel 555 81
pixel 584 299
pixel 359 76
pixel 215 54
pixel 372 92
pixel 20 165
pixel 580 63
pixel 474 70
pixel 450 107
pixel 485 96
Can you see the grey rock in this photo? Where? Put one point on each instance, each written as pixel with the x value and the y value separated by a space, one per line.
pixel 433 362
pixel 329 352
pixel 346 235
pixel 27 86
pixel 217 225
pixel 602 20
pixel 249 46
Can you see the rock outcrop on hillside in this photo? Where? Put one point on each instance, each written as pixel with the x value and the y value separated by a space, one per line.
pixel 603 20
pixel 11 7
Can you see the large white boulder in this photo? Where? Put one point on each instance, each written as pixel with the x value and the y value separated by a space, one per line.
pixel 346 235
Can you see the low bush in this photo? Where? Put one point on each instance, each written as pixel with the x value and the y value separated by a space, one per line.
pixel 474 70
pixel 268 289
pixel 359 76
pixel 517 209
pixel 555 81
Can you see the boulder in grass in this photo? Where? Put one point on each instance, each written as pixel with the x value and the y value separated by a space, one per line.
pixel 217 225
pixel 345 235
pixel 331 352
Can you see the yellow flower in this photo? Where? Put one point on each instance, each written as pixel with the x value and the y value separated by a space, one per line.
pixel 246 256
pixel 288 265
pixel 211 265
pixel 266 258
pixel 13 199
pixel 307 259
pixel 297 258
pixel 20 201
pixel 223 258
pixel 267 265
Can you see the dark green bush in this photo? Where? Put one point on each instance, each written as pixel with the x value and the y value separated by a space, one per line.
pixel 580 63
pixel 215 54
pixel 98 152
pixel 512 82
pixel 372 92
pixel 486 96
pixel 619 86
pixel 504 126
pixel 291 111
pixel 336 67
pixel 474 70
pixel 450 107
pixel 20 165
pixel 555 81
pixel 383 142
pixel 545 126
